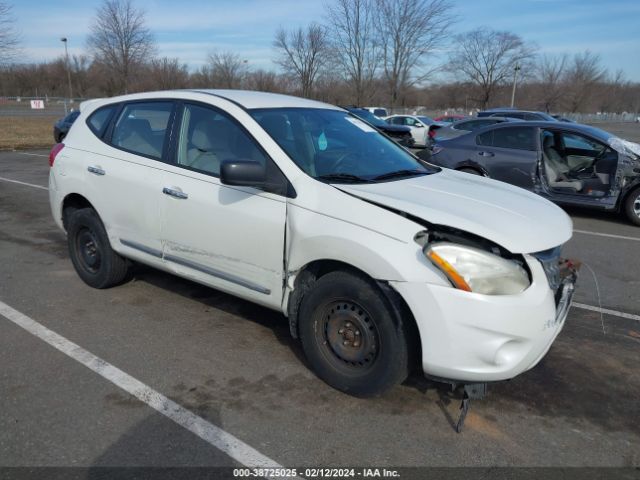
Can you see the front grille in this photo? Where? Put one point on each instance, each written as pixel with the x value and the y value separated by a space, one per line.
pixel 550 260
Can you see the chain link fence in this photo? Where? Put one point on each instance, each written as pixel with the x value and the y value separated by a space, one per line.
pixel 50 106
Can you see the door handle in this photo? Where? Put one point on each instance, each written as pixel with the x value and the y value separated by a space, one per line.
pixel 96 170
pixel 486 154
pixel 175 193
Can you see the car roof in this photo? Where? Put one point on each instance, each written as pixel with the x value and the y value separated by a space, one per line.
pixel 248 99
pixel 597 133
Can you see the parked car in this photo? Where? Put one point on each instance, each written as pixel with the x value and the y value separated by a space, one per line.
pixel 62 126
pixel 375 257
pixel 460 128
pixel 450 118
pixel 528 115
pixel 422 128
pixel 560 118
pixel 568 163
pixel 377 111
pixel 400 134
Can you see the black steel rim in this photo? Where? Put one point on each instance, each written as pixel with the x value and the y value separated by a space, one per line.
pixel 88 250
pixel 348 336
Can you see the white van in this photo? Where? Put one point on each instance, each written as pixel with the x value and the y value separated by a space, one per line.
pixel 376 258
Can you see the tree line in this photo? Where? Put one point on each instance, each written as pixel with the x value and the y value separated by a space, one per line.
pixel 364 52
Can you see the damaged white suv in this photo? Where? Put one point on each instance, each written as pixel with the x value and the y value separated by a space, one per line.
pixel 376 258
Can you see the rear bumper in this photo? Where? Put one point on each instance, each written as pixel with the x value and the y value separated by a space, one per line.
pixel 469 337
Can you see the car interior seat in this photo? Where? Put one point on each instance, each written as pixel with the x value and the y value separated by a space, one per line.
pixel 135 134
pixel 556 169
pixel 209 146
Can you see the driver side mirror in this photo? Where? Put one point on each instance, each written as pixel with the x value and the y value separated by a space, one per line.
pixel 243 173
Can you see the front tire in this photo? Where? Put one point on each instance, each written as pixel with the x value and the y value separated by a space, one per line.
pixel 351 337
pixel 91 254
pixel 632 206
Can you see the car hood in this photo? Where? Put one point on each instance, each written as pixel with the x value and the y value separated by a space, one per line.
pixel 514 218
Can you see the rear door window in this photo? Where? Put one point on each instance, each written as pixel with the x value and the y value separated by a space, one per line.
pixel 142 128
pixel 519 138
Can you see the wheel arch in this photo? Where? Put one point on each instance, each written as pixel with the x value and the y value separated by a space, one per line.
pixel 472 165
pixel 72 202
pixel 312 271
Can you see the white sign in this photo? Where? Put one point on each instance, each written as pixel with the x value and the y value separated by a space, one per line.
pixel 37 104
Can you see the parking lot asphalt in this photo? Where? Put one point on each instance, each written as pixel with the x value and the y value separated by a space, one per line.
pixel 233 365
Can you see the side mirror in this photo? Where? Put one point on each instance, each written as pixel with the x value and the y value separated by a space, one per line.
pixel 243 173
pixel 418 125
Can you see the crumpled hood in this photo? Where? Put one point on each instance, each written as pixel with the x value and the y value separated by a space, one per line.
pixel 514 218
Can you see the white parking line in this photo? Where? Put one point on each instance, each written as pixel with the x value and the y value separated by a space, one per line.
pixel 31 154
pixel 222 440
pixel 23 183
pixel 609 235
pixel 606 311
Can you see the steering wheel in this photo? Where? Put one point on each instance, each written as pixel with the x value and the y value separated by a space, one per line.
pixel 342 161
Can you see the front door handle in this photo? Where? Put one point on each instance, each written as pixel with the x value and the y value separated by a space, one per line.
pixel 175 193
pixel 96 170
pixel 486 154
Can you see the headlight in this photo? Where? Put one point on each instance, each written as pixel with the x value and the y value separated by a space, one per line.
pixel 475 270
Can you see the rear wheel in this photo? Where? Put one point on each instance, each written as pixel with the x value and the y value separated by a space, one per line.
pixel 632 206
pixel 91 254
pixel 351 336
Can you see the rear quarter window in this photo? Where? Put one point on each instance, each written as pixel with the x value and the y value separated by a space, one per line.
pixel 98 120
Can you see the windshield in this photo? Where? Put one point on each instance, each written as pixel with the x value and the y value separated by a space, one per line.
pixel 334 146
pixel 425 119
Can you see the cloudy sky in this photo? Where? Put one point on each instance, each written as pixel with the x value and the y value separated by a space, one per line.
pixel 190 29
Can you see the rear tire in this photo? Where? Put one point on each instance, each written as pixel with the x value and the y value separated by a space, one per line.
pixel 91 254
pixel 351 337
pixel 632 206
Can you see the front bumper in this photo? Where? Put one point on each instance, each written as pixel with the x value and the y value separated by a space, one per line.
pixel 469 337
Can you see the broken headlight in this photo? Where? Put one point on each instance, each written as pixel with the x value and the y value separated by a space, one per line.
pixel 478 271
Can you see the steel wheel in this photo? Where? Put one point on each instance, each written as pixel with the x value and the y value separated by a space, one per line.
pixel 89 251
pixel 349 337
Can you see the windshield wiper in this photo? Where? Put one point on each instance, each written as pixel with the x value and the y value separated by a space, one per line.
pixel 400 173
pixel 343 177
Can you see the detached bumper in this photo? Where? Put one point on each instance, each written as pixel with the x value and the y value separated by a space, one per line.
pixel 471 337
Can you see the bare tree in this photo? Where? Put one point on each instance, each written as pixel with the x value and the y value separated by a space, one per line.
pixel 487 58
pixel 409 30
pixel 582 77
pixel 167 73
pixel 302 54
pixel 550 76
pixel 354 41
pixel 265 81
pixel 8 34
pixel 227 69
pixel 120 39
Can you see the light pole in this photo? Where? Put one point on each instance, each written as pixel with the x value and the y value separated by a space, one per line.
pixel 66 55
pixel 515 81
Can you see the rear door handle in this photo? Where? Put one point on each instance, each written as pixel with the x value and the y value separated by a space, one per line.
pixel 96 170
pixel 175 193
pixel 486 154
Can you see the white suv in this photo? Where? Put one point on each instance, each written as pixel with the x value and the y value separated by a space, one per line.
pixel 376 258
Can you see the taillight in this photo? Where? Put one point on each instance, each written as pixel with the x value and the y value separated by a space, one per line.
pixel 57 148
pixel 432 133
